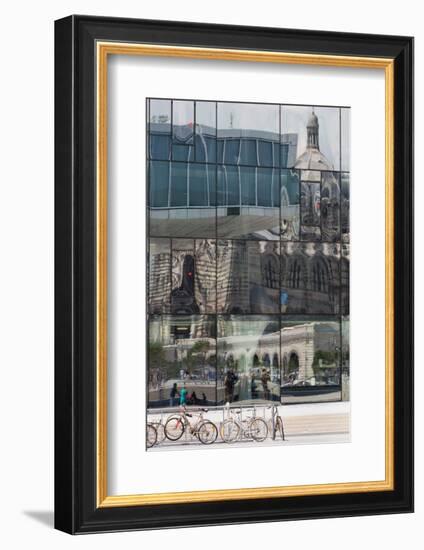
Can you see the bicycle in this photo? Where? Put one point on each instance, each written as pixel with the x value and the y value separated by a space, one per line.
pixel 160 430
pixel 252 428
pixel 205 430
pixel 151 435
pixel 278 424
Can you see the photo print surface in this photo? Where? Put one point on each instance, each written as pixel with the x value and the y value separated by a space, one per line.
pixel 248 274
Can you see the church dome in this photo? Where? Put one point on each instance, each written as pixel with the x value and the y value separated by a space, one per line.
pixel 313 121
pixel 312 158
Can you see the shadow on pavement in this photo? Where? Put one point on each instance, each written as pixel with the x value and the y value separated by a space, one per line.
pixel 46 517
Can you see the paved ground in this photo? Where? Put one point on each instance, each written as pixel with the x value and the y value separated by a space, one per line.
pixel 303 424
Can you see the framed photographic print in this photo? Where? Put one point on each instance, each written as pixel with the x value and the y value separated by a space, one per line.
pixel 233 274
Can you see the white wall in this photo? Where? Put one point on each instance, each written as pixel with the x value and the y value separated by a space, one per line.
pixel 26 285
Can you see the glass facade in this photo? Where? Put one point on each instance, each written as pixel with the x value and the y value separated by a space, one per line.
pixel 248 250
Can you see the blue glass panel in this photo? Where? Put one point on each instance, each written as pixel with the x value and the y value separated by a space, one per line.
pixel 159 183
pixel 231 151
pixel 202 185
pixel 276 189
pixel 248 152
pixel 228 186
pixel 220 150
pixel 160 146
pixel 264 187
pixel 265 152
pixel 183 153
pixel 248 185
pixel 205 149
pixel 284 154
pixel 276 151
pixel 233 189
pixel 178 184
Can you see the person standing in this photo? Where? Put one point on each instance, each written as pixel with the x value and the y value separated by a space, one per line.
pixel 183 395
pixel 173 395
pixel 265 378
pixel 229 383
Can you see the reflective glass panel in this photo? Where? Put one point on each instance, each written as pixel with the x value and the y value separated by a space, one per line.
pixel 310 359
pixel 248 134
pixel 310 278
pixel 159 275
pixel 330 206
pixel 181 355
pixel 248 349
pixel 248 276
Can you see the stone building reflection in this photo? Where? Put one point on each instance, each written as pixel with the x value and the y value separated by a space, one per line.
pixel 243 234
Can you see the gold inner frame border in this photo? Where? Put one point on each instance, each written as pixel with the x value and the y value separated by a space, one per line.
pixel 103 50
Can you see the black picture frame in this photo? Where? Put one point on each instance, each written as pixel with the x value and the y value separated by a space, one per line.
pixel 76 509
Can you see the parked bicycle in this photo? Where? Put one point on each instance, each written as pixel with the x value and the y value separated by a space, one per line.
pixel 196 425
pixel 151 435
pixel 160 431
pixel 277 425
pixel 235 427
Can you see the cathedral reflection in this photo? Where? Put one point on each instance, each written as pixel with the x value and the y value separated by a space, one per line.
pixel 248 263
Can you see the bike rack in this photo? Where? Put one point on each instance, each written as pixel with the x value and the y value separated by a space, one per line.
pixel 258 409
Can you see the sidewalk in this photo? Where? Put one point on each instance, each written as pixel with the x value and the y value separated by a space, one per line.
pixel 301 423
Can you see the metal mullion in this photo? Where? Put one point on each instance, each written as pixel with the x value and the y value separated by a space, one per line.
pixel 216 252
pixel 256 186
pixel 194 131
pixel 239 185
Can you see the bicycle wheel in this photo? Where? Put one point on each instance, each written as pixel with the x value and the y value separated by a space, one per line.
pixel 160 429
pixel 207 432
pixel 229 431
pixel 151 436
pixel 258 429
pixel 279 427
pixel 174 428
